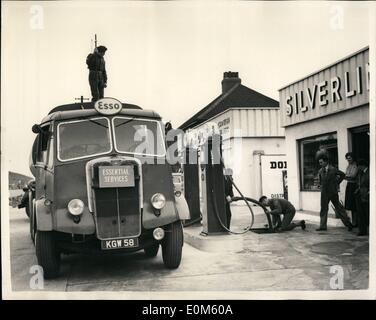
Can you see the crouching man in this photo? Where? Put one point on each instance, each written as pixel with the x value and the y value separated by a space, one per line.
pixel 285 208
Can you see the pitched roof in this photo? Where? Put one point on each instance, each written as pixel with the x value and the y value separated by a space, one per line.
pixel 238 96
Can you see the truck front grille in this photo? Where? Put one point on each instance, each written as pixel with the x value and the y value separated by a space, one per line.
pixel 117 210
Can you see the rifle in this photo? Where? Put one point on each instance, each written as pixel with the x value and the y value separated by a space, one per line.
pixel 95 42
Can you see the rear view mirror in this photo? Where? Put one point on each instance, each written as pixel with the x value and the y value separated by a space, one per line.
pixel 36 128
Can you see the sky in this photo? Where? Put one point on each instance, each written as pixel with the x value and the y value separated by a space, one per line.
pixel 166 56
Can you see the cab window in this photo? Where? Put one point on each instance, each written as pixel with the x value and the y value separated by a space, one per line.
pixel 50 159
pixel 138 136
pixel 42 143
pixel 83 138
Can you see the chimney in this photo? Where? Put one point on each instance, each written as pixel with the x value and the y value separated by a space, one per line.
pixel 230 79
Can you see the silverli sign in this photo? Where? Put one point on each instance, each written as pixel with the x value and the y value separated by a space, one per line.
pixel 334 89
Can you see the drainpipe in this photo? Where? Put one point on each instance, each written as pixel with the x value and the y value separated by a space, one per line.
pixel 259 153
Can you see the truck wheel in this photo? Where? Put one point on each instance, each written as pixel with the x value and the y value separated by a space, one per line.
pixel 28 205
pixel 27 210
pixel 172 245
pixel 47 253
pixel 152 250
pixel 33 227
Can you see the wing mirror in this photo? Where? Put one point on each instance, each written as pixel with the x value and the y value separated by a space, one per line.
pixel 36 128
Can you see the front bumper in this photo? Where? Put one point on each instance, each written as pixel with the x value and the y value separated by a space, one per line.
pixel 79 243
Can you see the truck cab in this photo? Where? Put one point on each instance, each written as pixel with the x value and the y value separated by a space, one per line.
pixel 103 183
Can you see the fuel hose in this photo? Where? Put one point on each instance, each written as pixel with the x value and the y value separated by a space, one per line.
pixel 245 199
pixel 192 222
pixel 267 214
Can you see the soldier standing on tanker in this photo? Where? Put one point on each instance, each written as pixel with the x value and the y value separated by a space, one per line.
pixel 97 74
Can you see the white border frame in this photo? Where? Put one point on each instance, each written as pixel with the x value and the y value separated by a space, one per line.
pixel 369 293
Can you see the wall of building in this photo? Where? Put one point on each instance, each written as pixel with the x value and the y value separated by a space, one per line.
pixel 243 156
pixel 342 85
pixel 257 122
pixel 251 122
pixel 339 122
pixel 246 132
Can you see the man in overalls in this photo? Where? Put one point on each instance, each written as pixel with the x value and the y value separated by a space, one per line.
pixel 283 207
pixel 97 74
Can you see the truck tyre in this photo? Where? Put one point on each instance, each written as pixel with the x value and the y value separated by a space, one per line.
pixel 172 245
pixel 152 250
pixel 27 210
pixel 28 206
pixel 47 253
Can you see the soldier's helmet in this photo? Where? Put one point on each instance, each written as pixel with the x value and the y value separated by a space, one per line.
pixel 101 49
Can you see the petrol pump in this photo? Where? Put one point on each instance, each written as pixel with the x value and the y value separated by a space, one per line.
pixel 191 184
pixel 213 189
pixel 203 172
pixel 207 175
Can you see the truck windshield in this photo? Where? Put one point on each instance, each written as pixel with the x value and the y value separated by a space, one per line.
pixel 83 138
pixel 138 136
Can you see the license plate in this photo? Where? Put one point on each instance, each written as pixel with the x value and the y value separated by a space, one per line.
pixel 119 243
pixel 116 176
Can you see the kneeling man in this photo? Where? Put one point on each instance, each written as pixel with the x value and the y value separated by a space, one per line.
pixel 284 207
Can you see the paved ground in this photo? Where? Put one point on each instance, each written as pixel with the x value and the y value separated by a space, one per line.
pixel 298 260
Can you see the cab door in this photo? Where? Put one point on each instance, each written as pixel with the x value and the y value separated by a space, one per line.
pixel 49 168
pixel 40 157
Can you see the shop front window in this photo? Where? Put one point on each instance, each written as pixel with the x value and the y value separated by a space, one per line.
pixel 309 167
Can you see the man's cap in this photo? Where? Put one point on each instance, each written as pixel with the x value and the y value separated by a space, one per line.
pixel 101 48
pixel 262 198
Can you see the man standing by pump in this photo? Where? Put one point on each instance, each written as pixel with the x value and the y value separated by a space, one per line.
pixel 97 74
pixel 283 207
pixel 362 196
pixel 329 179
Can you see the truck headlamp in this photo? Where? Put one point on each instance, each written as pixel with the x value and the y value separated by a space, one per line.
pixel 158 201
pixel 76 207
pixel 158 234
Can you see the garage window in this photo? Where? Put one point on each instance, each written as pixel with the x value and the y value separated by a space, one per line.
pixel 309 167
